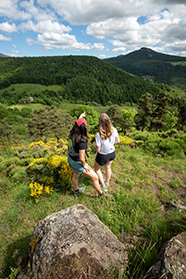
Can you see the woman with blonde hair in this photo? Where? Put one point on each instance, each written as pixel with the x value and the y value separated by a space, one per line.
pixel 105 140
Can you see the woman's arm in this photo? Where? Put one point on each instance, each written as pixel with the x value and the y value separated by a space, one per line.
pixel 82 156
pixel 97 148
pixel 117 140
pixel 82 160
pixel 83 114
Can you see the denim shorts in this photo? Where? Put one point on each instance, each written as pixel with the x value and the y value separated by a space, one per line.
pixel 77 166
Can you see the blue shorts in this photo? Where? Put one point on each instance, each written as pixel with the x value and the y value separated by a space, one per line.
pixel 77 166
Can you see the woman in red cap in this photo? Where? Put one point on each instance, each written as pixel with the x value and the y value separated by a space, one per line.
pixel 76 157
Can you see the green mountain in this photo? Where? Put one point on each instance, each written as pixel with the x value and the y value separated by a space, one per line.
pixel 81 78
pixel 156 66
pixel 3 55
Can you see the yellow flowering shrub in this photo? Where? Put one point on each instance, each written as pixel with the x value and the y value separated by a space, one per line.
pixel 60 164
pixel 48 174
pixel 37 144
pixel 57 147
pixel 128 141
pixel 38 191
pixel 38 161
pixel 65 171
pixel 47 180
pixel 125 140
pixel 54 162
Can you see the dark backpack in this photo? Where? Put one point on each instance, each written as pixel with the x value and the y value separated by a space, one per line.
pixel 71 149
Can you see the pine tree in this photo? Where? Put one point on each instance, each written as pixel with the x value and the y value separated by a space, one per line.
pixel 182 117
pixel 162 107
pixel 116 116
pixel 145 110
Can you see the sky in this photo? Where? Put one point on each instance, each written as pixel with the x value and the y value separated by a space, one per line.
pixel 101 28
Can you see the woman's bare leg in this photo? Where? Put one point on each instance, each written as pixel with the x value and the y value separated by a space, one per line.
pixel 75 179
pixel 108 171
pixel 93 176
pixel 97 169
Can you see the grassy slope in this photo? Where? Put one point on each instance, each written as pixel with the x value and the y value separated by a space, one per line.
pixel 30 87
pixel 63 106
pixel 140 184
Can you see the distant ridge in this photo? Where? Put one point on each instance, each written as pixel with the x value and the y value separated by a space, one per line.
pixel 149 54
pixel 159 67
pixel 3 55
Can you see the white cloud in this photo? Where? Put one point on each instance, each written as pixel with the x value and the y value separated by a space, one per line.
pixel 120 22
pixel 6 27
pixel 119 49
pixel 63 41
pixel 45 26
pixel 87 11
pixel 102 56
pixel 36 11
pixel 97 46
pixel 10 9
pixel 14 53
pixel 159 28
pixel 4 38
pixel 178 47
pixel 113 28
pixel 58 41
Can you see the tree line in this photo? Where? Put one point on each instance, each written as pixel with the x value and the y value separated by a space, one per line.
pixel 150 115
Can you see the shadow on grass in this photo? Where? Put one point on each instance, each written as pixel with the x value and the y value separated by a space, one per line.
pixel 15 255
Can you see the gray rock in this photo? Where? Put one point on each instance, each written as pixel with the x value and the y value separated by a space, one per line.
pixel 171 262
pixel 71 241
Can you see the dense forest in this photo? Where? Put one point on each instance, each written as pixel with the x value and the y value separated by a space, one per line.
pixel 156 66
pixel 81 78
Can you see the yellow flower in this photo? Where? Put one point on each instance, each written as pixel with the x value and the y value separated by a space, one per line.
pixel 39 191
pixel 38 161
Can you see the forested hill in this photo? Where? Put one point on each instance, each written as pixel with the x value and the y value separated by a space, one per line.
pixel 159 67
pixel 81 78
pixel 3 55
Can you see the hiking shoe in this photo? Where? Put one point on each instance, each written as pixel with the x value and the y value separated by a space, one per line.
pixel 106 184
pixel 79 190
pixel 103 188
pixel 104 195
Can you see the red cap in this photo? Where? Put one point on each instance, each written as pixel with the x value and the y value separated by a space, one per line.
pixel 81 121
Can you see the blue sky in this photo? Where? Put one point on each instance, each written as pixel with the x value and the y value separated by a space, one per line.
pixel 102 28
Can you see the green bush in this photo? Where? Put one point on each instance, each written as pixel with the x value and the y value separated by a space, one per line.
pixel 18 174
pixel 169 143
pixel 141 135
pixel 2 166
pixel 170 146
pixel 91 115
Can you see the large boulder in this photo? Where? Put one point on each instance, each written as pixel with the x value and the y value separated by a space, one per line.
pixel 70 242
pixel 171 262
